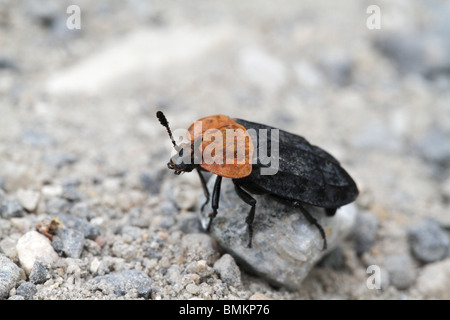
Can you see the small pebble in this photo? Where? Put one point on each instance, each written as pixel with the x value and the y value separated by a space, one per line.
pixel 8 247
pixel 83 210
pixel 34 246
pixel 27 290
pixel 11 208
pixel 10 275
pixel 29 199
pixel 124 281
pixel 428 241
pixel 199 246
pixel 71 193
pixel 192 288
pixel 434 279
pixel 365 231
pixel 72 242
pixel 59 160
pixel 88 230
pixel 228 270
pixel 401 269
pixel 40 273
pixel 334 259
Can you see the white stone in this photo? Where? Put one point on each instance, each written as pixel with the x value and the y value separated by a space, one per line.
pixel 29 199
pixel 52 190
pixel 34 246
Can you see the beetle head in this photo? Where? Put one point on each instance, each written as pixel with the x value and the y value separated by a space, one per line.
pixel 183 160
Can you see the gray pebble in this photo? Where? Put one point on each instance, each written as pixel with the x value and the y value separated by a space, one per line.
pixel 16 297
pixel 58 245
pixel 27 290
pixel 151 184
pixel 337 67
pixel 40 273
pixel 88 230
pixel 57 204
pixel 401 269
pixel 82 210
pixel 72 242
pixel 132 231
pixel 408 51
pixel 428 241
pixel 334 259
pixel 200 246
pixel 59 160
pixel 6 63
pixel 11 209
pixel 139 217
pixel 166 222
pixel 10 275
pixel 434 146
pixel 285 245
pixel 71 193
pixel 122 282
pixel 73 182
pixel 228 270
pixel 365 232
pixel 189 223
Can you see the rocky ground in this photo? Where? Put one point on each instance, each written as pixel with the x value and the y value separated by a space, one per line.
pixel 88 207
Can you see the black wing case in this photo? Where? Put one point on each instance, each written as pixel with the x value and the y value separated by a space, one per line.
pixel 306 173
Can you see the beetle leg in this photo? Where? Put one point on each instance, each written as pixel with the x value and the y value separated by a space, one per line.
pixel 205 189
pixel 248 199
pixel 313 221
pixel 215 201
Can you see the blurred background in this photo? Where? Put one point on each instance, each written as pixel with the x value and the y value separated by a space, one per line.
pixel 378 99
pixel 372 87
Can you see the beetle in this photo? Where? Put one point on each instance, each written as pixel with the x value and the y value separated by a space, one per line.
pixel 306 174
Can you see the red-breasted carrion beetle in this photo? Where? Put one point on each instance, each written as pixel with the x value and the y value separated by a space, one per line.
pixel 295 173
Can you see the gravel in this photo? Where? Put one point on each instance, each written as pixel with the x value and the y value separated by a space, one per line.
pixel 81 144
pixel 123 282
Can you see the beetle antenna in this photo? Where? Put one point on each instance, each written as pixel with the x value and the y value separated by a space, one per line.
pixel 162 119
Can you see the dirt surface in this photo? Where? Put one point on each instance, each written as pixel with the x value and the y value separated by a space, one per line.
pixel 78 131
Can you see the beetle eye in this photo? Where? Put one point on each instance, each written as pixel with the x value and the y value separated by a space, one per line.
pixel 170 165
